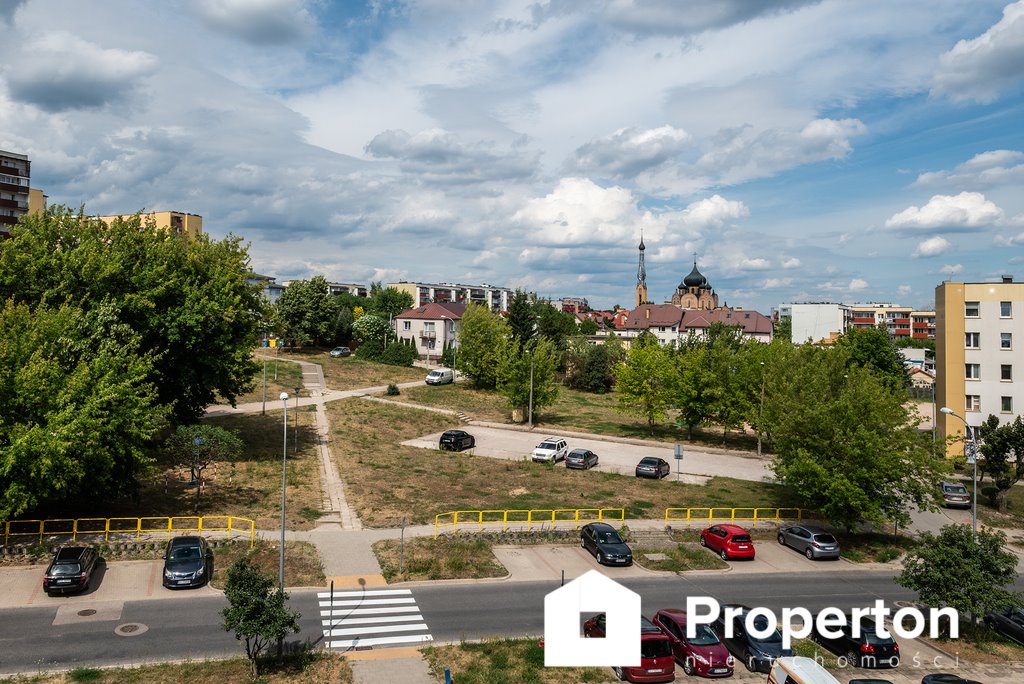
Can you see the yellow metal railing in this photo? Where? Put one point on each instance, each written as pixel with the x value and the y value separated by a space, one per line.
pixel 76 527
pixel 752 515
pixel 525 517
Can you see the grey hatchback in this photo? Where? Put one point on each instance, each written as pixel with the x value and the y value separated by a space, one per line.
pixel 188 562
pixel 581 459
pixel 813 542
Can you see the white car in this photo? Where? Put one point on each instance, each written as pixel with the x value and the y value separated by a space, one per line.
pixel 551 450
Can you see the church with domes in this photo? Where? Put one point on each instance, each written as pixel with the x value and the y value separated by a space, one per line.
pixel 694 292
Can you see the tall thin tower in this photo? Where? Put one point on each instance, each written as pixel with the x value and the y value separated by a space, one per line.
pixel 641 275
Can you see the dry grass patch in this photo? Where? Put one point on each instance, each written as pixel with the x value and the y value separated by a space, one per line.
pixel 507 661
pixel 248 488
pixel 282 376
pixel 352 373
pixel 315 667
pixel 979 644
pixel 302 567
pixel 433 559
pixel 683 557
pixel 386 481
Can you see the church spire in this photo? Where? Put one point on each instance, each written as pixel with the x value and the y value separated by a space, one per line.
pixel 641 275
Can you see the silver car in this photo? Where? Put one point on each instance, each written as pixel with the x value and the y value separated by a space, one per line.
pixel 813 542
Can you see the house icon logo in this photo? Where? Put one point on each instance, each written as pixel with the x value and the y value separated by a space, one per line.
pixel 592 593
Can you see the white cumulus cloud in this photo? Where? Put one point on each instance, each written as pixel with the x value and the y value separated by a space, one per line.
pixel 965 211
pixel 629 151
pixel 932 247
pixel 984 170
pixel 980 68
pixel 951 269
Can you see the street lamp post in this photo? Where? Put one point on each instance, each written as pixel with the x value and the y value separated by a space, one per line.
pixel 530 409
pixel 284 482
pixel 974 443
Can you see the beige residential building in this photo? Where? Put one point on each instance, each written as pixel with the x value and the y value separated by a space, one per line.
pixel 979 353
pixel 15 171
pixel 180 223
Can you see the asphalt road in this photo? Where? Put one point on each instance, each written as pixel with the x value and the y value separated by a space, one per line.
pixel 188 626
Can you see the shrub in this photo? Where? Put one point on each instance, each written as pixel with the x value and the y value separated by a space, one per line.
pixel 398 355
pixel 370 350
pixel 392 390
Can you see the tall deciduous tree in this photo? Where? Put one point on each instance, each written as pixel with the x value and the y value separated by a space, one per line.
pixel 481 334
pixel 387 302
pixel 514 374
pixel 188 299
pixel 953 569
pixel 309 312
pixel 645 382
pixel 1002 447
pixel 845 442
pixel 257 611
pixel 77 405
pixel 872 348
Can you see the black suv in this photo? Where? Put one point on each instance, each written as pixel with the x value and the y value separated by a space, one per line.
pixel 70 570
pixel 757 653
pixel 188 562
pixel 604 542
pixel 456 440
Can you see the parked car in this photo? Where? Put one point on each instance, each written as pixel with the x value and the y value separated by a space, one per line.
pixel 955 495
pixel 652 467
pixel 757 653
pixel 799 670
pixel 582 459
pixel 456 440
pixel 440 376
pixel 604 542
pixel 867 650
pixel 1009 622
pixel 340 351
pixel 656 663
pixel 704 655
pixel 551 450
pixel 188 562
pixel 946 678
pixel 870 680
pixel 813 542
pixel 728 541
pixel 70 570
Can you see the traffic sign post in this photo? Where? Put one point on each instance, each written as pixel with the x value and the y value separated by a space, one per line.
pixel 679 459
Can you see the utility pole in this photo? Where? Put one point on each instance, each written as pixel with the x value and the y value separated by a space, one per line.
pixel 530 410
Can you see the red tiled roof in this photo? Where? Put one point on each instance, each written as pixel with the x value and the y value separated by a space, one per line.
pixel 752 322
pixel 653 315
pixel 434 311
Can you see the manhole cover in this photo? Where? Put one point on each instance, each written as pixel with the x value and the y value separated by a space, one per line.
pixel 86 613
pixel 130 629
pixel 903 604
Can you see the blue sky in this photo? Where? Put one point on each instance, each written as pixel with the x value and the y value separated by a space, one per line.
pixel 805 150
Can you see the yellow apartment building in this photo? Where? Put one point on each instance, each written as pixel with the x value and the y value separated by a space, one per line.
pixel 180 223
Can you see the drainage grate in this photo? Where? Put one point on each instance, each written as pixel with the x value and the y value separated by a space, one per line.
pixel 86 613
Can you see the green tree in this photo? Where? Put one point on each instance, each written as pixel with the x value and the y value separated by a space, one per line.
pixel 1002 447
pixel 845 443
pixel 645 382
pixel 783 329
pixel 589 367
pixel 388 302
pixel 588 326
pixel 187 299
pixel 514 373
pixel 77 406
pixel 522 318
pixel 343 324
pixel 555 326
pixel 257 611
pixel 371 328
pixel 481 333
pixel 309 312
pixel 953 569
pixel 872 348
pixel 196 447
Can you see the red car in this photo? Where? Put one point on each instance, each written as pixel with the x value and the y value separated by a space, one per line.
pixel 656 660
pixel 728 541
pixel 703 655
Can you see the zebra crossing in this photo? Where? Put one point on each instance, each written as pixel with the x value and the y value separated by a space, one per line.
pixel 374 617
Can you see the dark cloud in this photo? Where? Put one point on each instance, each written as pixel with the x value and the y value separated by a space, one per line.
pixel 684 17
pixel 261 22
pixel 629 151
pixel 8 8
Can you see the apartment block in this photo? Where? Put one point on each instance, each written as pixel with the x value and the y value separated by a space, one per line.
pixel 347 288
pixel 979 353
pixel 15 171
pixel 817 322
pixel 179 223
pixel 573 305
pixel 494 298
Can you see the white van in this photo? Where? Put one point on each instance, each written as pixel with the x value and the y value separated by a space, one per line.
pixel 799 670
pixel 440 376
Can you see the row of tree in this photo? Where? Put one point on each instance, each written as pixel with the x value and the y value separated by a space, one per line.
pixel 111 334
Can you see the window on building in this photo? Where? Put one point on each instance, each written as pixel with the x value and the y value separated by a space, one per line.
pixel 972 340
pixel 1005 309
pixel 1006 340
pixel 972 309
pixel 1006 372
pixel 972 371
pixel 428 326
pixel 973 402
pixel 1006 404
pixel 406 325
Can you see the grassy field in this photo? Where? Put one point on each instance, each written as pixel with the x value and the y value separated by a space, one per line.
pixel 574 410
pixel 282 376
pixel 506 661
pixel 421 483
pixel 249 487
pixel 352 373
pixel 442 558
pixel 314 667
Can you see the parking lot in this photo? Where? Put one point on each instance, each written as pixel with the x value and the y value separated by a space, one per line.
pixel 614 456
